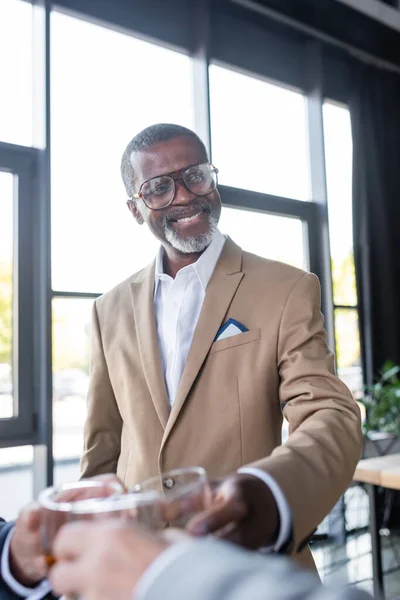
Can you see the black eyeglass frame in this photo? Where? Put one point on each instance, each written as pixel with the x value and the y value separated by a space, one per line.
pixel 179 177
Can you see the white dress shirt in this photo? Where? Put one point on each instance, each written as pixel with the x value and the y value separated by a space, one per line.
pixel 177 305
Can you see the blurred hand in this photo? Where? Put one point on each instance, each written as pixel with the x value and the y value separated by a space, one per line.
pixel 102 560
pixel 243 511
pixel 110 485
pixel 27 561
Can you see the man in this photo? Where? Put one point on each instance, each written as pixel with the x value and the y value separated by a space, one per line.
pixel 104 561
pixel 196 357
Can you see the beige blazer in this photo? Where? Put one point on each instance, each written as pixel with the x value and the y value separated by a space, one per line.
pixel 233 392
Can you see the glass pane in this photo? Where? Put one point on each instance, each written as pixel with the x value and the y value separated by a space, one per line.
pixel 338 156
pixel 259 135
pixel 106 87
pixel 71 344
pixel 270 236
pixel 6 295
pixel 15 475
pixel 16 96
pixel 348 349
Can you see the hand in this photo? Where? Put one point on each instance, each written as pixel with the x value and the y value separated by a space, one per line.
pixel 243 511
pixel 103 560
pixel 27 561
pixel 110 485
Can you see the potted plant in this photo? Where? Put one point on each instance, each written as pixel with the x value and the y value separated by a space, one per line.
pixel 382 403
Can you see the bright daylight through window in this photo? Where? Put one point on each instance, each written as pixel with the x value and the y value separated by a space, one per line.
pixel 100 99
pixel 259 135
pixel 16 44
pixel 338 151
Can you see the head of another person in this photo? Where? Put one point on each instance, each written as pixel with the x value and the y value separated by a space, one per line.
pixel 172 187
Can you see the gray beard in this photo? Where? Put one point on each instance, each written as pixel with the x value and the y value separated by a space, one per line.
pixel 193 244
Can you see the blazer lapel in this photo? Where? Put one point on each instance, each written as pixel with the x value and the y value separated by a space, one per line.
pixel 142 292
pixel 220 292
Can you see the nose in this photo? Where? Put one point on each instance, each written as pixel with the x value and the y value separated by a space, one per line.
pixel 182 194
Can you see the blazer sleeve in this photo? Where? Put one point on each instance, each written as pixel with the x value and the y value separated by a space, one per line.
pixel 102 432
pixel 317 463
pixel 211 569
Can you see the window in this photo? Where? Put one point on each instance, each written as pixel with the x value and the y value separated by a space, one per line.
pixel 259 135
pixel 7 405
pixel 16 98
pixel 270 236
pixel 103 93
pixel 338 151
pixel 16 292
pixel 71 352
pixel 15 477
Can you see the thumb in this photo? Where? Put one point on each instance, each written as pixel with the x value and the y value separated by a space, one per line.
pixel 31 517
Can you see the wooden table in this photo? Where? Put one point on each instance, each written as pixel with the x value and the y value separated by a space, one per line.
pixel 383 471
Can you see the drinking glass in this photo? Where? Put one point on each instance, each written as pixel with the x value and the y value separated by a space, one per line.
pixel 183 493
pixel 58 504
pixel 92 500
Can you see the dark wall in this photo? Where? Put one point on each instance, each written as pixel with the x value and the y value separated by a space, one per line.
pixel 253 42
pixel 164 20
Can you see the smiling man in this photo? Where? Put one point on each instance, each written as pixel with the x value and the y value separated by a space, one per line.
pixel 196 358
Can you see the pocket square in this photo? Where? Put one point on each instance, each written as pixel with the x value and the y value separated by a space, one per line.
pixel 230 328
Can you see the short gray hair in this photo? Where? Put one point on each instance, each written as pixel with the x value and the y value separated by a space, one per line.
pixel 161 132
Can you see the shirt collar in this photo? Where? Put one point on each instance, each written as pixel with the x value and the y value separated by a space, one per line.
pixel 203 267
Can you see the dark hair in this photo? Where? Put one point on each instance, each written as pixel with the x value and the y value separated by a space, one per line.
pixel 150 136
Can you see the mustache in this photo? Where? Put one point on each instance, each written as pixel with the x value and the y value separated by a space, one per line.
pixel 179 213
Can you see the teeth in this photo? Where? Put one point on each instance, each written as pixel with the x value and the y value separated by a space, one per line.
pixel 187 219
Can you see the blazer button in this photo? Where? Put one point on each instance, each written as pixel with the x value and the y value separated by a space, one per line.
pixel 169 483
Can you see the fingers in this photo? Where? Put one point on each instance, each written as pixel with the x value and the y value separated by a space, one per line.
pixel 72 540
pixel 66 578
pixel 102 486
pixel 29 518
pixel 27 561
pixel 110 478
pixel 215 484
pixel 173 535
pixel 218 517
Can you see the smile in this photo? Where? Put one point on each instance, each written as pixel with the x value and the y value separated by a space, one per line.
pixel 188 219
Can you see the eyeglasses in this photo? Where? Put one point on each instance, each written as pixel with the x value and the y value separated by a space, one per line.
pixel 159 192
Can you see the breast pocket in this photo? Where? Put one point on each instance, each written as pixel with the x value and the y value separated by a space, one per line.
pixel 236 340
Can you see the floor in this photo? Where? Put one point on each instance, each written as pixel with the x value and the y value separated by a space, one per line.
pixel 351 563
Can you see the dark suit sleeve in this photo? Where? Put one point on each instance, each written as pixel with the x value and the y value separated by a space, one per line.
pixel 5 592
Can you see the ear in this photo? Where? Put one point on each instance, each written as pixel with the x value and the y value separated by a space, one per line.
pixel 134 209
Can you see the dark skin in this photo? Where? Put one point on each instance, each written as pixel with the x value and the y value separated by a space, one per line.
pixel 165 158
pixel 244 509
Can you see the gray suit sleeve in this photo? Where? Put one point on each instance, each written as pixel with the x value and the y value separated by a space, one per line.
pixel 215 570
